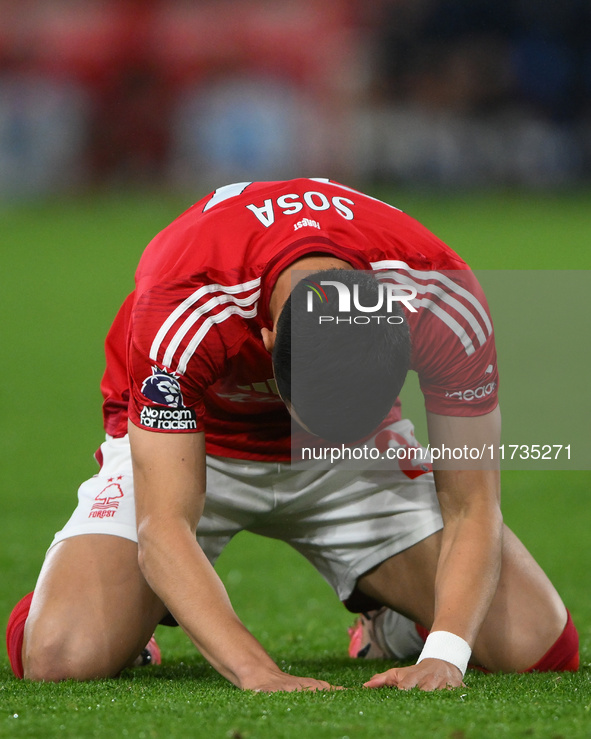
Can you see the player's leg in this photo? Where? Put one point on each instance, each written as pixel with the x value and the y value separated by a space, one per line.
pixel 526 617
pixel 381 531
pixel 92 612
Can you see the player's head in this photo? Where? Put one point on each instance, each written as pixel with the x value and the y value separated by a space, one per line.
pixel 340 371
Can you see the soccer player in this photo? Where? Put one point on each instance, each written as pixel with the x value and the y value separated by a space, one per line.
pixel 309 297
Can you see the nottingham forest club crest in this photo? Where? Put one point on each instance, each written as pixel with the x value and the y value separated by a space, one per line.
pixel 106 502
pixel 163 388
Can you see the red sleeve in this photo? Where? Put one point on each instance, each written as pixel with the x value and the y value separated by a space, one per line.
pixel 114 384
pixel 167 392
pixel 453 344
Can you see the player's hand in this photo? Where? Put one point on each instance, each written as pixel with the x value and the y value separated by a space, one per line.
pixel 430 674
pixel 281 681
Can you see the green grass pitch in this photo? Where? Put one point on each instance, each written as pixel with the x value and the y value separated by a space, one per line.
pixel 66 265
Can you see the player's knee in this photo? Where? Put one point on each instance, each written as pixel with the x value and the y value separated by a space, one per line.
pixel 538 644
pixel 53 656
pixel 563 655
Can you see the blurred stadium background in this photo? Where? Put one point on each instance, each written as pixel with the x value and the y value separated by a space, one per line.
pixel 181 93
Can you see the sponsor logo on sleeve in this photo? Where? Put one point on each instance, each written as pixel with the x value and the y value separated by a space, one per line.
pixel 474 394
pixel 164 389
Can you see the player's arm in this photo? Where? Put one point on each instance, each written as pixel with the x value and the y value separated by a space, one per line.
pixel 470 500
pixel 169 473
pixel 469 562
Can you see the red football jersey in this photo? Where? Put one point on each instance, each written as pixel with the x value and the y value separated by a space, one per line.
pixel 185 351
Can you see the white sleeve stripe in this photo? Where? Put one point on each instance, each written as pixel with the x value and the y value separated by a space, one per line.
pixel 204 328
pixel 193 317
pixel 191 300
pixel 433 275
pixel 449 321
pixel 445 298
pixel 225 192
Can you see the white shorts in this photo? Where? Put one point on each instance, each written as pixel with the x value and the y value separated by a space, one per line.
pixel 345 522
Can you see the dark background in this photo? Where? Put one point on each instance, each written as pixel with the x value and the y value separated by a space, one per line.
pixel 445 93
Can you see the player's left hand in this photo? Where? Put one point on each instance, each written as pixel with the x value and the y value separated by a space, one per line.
pixel 430 674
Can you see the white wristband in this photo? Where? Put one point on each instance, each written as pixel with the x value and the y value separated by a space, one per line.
pixel 449 647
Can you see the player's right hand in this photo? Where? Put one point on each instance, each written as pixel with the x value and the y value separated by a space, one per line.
pixel 430 674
